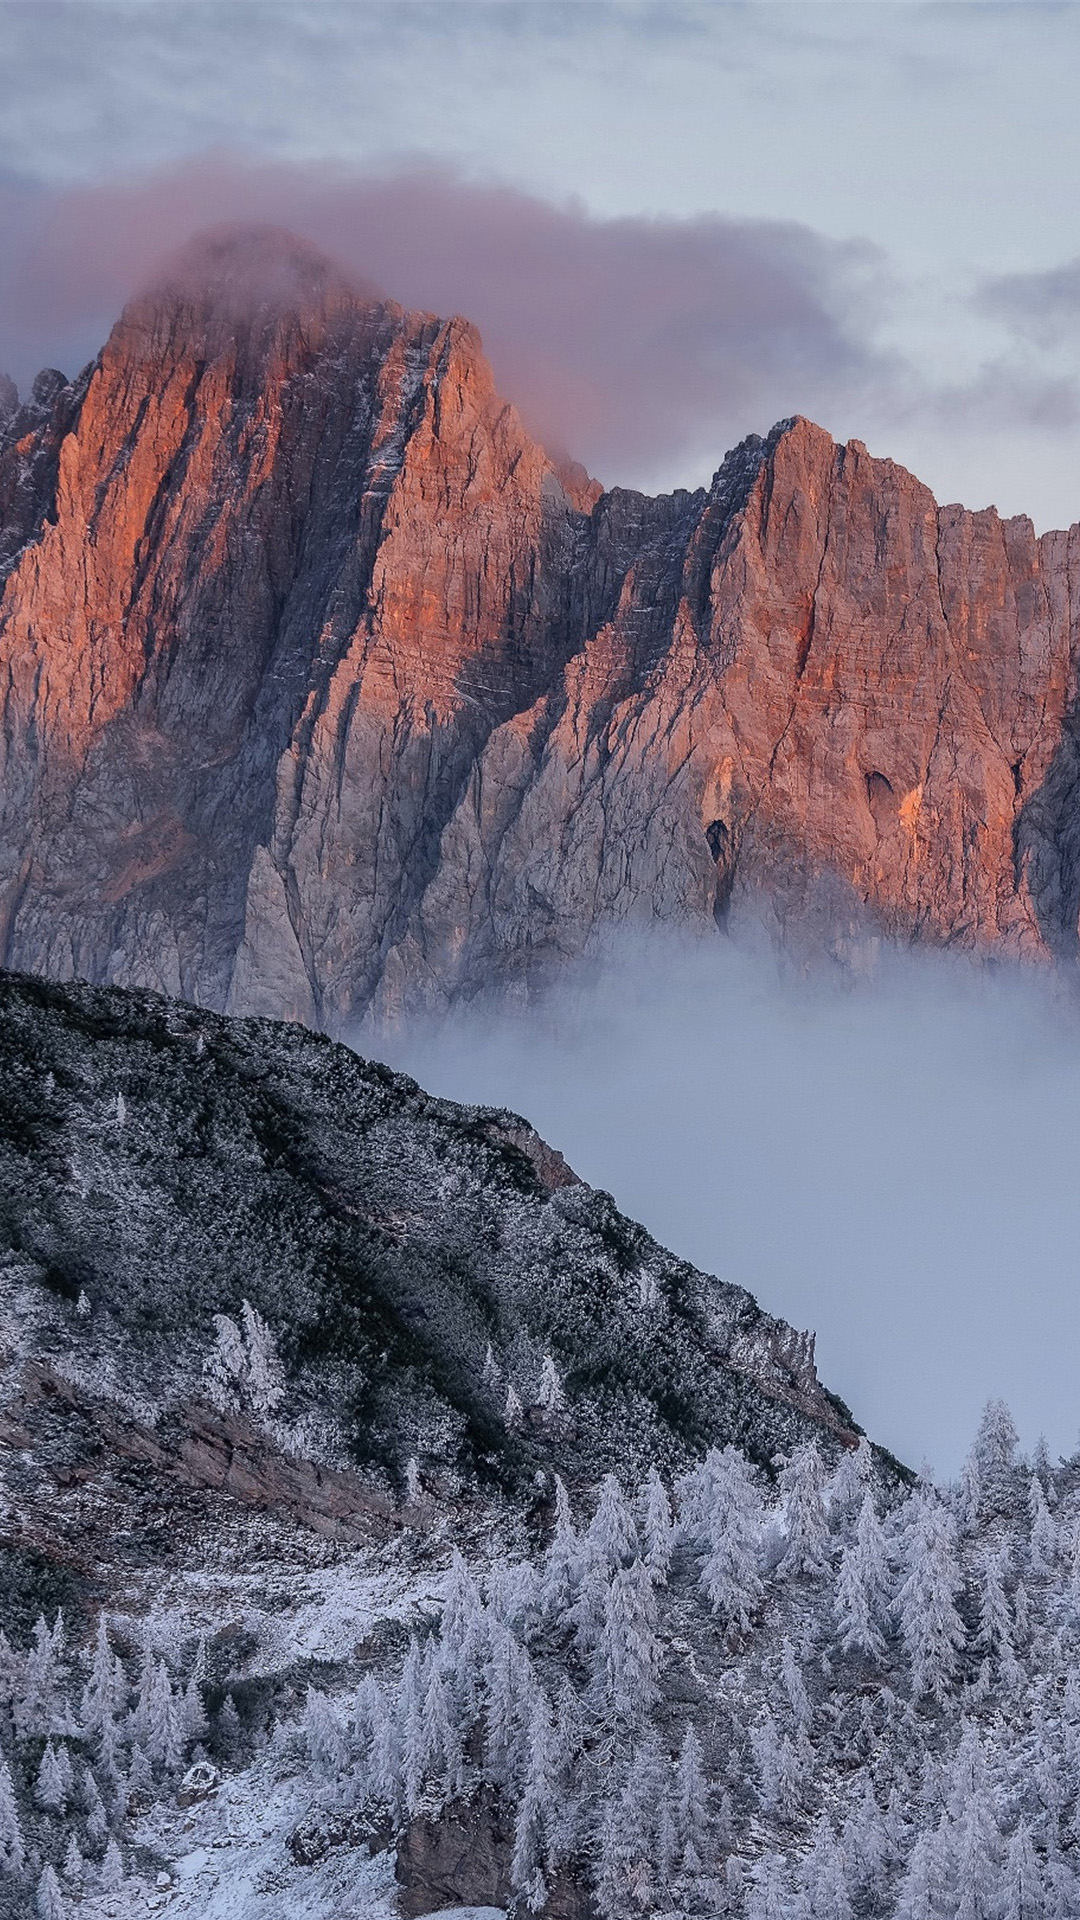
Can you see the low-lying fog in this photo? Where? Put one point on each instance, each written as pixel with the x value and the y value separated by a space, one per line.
pixel 894 1163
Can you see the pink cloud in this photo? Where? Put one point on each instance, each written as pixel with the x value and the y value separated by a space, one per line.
pixel 628 342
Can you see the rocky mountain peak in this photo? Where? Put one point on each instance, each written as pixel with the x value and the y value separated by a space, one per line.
pixel 331 694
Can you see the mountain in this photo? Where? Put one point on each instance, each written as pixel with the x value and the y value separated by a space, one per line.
pixel 327 693
pixel 278 1330
pixel 304 1611
pixel 419 1263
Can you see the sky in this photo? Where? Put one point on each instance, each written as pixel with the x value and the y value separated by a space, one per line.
pixel 673 223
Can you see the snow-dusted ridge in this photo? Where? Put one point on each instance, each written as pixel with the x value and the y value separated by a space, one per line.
pixel 389 1527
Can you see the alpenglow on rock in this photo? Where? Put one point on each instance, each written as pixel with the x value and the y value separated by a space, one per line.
pixel 328 693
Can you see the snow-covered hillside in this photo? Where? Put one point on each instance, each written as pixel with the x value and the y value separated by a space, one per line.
pixel 390 1527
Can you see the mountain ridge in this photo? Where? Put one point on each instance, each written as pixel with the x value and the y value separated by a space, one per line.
pixel 329 695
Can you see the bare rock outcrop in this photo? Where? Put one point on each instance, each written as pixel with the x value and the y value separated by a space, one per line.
pixel 327 693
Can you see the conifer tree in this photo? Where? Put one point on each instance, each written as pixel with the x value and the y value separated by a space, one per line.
pixel 12 1851
pixel 628 1649
pixel 612 1532
pixel 861 1587
pixel 550 1397
pixel 731 1520
pixel 264 1376
pixel 323 1735
pixel 806 1525
pixel 657 1529
pixel 922 1889
pixel 49 1787
pixel 97 1825
pixel 74 1864
pixel 39 1708
pixel 105 1693
pixel 51 1904
pixel 112 1868
pixel 769 1897
pixel 1043 1540
pixel 536 1827
pixel 850 1484
pixel 930 1626
pixel 562 1561
pixel 994 1454
pixel 691 1807
pixel 823 1878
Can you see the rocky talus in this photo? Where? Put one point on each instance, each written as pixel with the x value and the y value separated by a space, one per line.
pixel 328 694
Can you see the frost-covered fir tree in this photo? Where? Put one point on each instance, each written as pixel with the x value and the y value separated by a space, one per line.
pixel 562 1561
pixel 728 1522
pixel 537 1825
pixel 806 1524
pixel 264 1378
pixel 324 1735
pixel 112 1868
pixel 50 1786
pixel 862 1587
pixel 612 1532
pixel 550 1397
pixel 12 1850
pixel 50 1902
pixel 930 1626
pixel 628 1651
pixel 657 1527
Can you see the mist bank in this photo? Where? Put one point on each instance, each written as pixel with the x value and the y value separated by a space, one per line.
pixel 889 1159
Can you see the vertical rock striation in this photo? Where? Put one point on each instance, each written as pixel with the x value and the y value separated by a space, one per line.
pixel 326 691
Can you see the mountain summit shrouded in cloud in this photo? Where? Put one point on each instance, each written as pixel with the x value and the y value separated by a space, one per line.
pixel 365 705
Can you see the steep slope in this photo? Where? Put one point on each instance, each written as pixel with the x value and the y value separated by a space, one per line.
pixel 326 694
pixel 416 1262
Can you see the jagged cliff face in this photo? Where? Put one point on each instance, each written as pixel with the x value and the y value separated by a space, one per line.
pixel 325 693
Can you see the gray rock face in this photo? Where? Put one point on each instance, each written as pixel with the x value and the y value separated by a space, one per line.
pixel 327 695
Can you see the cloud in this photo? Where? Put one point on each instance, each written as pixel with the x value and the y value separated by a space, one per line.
pixel 889 1161
pixel 1042 307
pixel 632 342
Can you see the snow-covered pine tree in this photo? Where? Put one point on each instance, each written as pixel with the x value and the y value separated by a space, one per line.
pixel 50 1901
pixel 731 1522
pixel 562 1561
pixel 511 1694
pixel 550 1397
pixel 12 1850
pixel 225 1365
pixel 691 1806
pixel 849 1485
pixel 806 1524
pixel 166 1731
pixel 74 1864
pixel 105 1694
pixel 823 1879
pixel 97 1824
pixel 862 1586
pixel 49 1787
pixel 628 1651
pixel 994 1455
pixel 112 1868
pixel 39 1702
pixel 657 1527
pixel 536 1827
pixel 930 1626
pixel 324 1736
pixel 612 1532
pixel 264 1375
pixel 1043 1539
